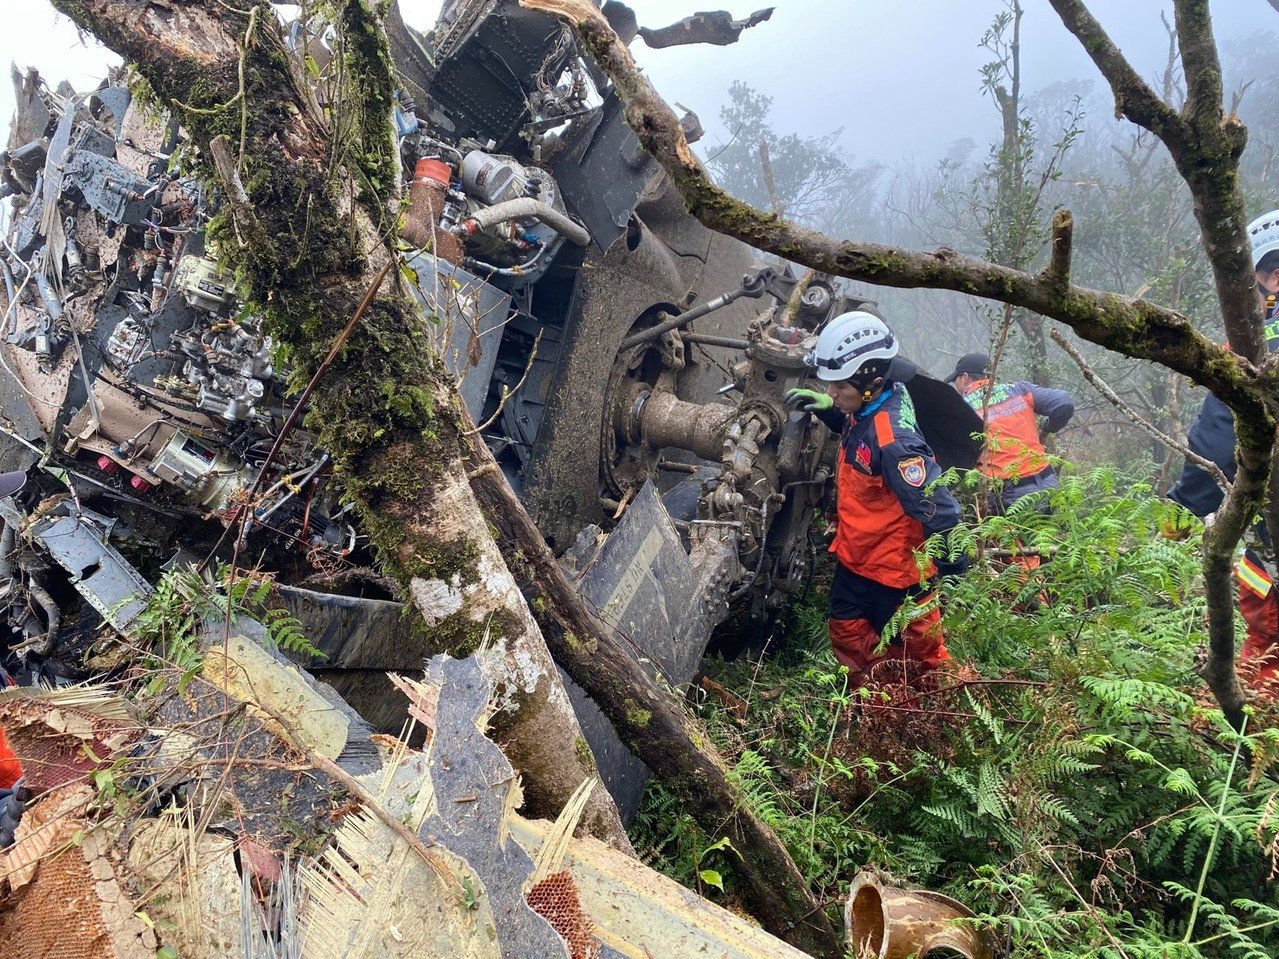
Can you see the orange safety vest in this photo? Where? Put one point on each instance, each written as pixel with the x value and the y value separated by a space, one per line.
pixel 1013 450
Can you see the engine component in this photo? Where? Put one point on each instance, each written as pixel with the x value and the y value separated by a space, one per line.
pixel 109 188
pixel 429 204
pixel 201 283
pixel 493 179
pixel 208 476
pixel 523 208
pixel 521 222
pixel 128 341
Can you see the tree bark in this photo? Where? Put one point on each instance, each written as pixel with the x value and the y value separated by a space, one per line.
pixel 1205 146
pixel 306 227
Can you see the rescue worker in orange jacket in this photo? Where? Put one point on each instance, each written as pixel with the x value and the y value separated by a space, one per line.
pixel 1014 455
pixel 887 503
pixel 1213 437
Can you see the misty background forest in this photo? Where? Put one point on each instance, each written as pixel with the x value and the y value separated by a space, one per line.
pixel 1061 148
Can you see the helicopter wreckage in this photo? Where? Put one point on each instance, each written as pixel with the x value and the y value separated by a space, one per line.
pixel 627 367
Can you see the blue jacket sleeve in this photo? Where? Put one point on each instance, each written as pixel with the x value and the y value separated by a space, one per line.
pixel 909 469
pixel 1056 405
pixel 1213 437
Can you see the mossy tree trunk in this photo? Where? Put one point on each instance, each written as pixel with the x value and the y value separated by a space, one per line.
pixel 1205 144
pixel 307 227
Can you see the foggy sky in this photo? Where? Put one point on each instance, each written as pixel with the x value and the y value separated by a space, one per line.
pixel 899 76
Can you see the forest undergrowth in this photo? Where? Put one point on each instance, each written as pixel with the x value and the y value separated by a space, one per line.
pixel 1067 776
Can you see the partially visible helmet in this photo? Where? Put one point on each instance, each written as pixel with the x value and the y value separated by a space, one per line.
pixel 853 345
pixel 1263 234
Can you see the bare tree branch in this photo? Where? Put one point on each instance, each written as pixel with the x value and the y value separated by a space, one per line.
pixel 1199 60
pixel 1113 398
pixel 1206 156
pixel 1058 268
pixel 1133 97
pixel 766 167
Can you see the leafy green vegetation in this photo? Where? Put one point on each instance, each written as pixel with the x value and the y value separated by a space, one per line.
pixel 186 597
pixel 1068 777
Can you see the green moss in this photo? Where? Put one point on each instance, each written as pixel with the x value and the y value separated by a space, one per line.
pixel 582 647
pixel 456 635
pixel 582 750
pixel 636 718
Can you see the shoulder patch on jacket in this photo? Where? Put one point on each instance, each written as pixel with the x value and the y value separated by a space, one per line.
pixel 913 470
pixel 883 429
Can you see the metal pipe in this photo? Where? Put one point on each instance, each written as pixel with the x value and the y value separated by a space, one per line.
pixel 706 339
pixel 690 468
pixel 51 301
pixel 519 208
pixel 10 314
pixel 675 322
pixel 53 617
pixel 8 539
pixel 885 922
pixel 518 270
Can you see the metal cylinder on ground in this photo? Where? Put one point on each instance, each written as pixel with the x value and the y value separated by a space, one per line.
pixel 885 922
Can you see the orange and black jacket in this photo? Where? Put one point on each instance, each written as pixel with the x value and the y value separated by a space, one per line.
pixel 888 503
pixel 1011 411
pixel 1213 437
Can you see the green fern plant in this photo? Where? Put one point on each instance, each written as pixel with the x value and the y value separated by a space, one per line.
pixel 1075 791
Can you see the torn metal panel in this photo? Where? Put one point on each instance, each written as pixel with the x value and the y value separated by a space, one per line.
pixel 475 793
pixel 195 886
pixel 640 583
pixel 316 713
pixel 639 913
pixel 243 669
pixel 78 543
pixel 471 315
pixel 31 117
pixel 603 171
pixel 715 27
pixel 353 632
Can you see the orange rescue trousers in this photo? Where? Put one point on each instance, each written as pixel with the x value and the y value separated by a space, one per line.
pixel 860 608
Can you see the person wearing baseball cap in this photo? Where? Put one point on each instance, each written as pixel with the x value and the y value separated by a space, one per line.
pixel 1013 455
pixel 1212 436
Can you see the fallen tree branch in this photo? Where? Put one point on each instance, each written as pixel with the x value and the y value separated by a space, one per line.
pixel 652 723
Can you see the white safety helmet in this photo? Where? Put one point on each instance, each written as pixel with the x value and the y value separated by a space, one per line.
pixel 851 345
pixel 1263 234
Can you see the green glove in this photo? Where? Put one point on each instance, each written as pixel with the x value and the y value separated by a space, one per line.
pixel 810 401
